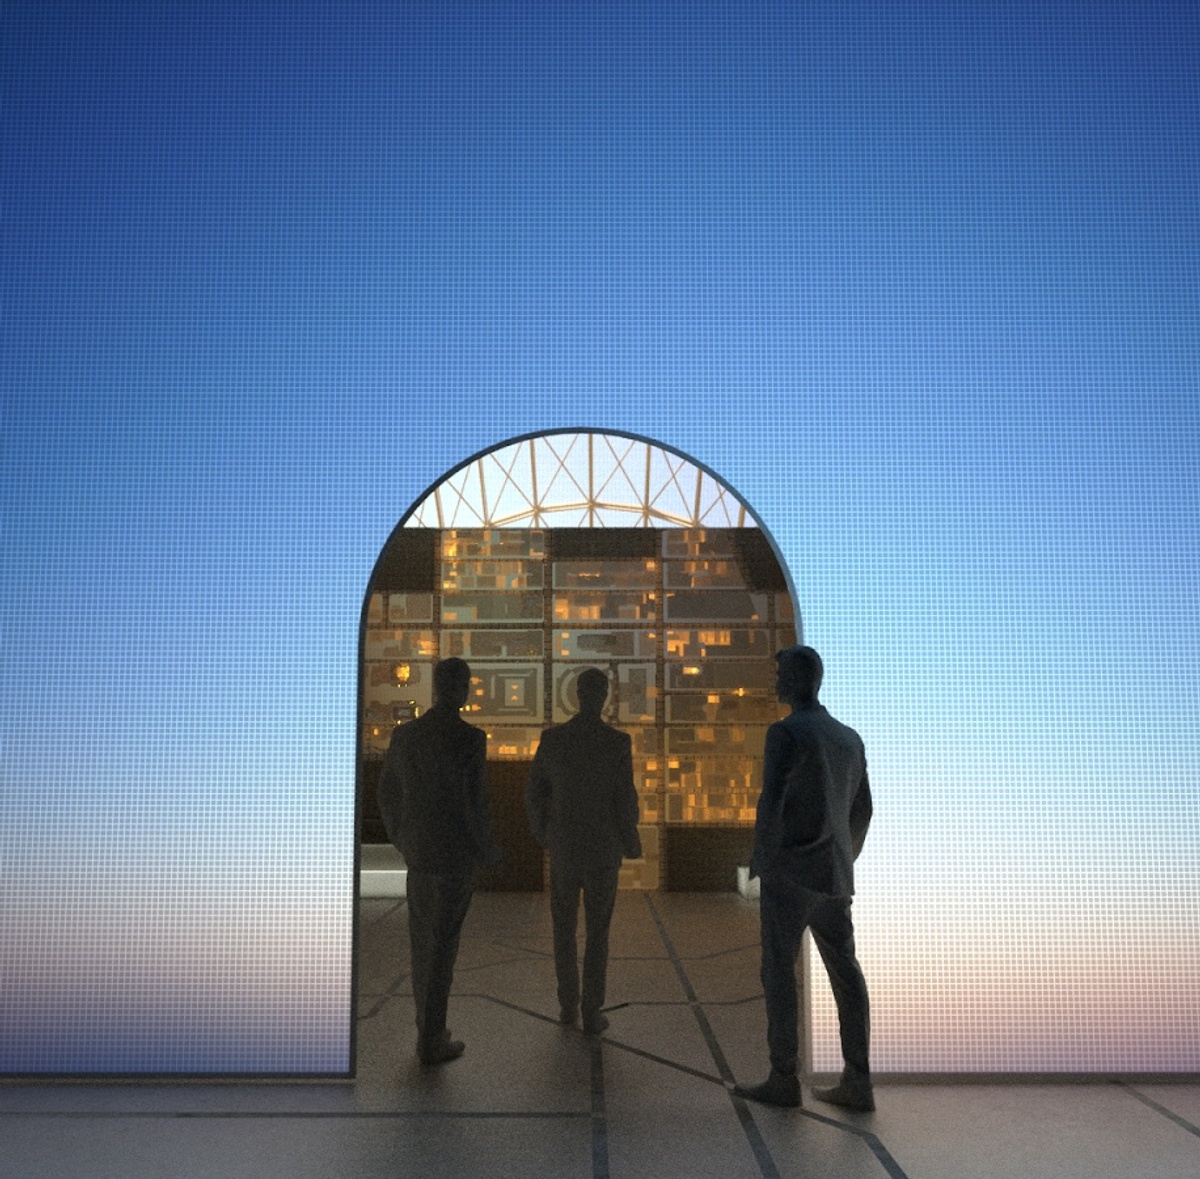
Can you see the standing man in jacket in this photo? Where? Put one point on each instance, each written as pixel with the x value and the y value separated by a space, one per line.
pixel 583 806
pixel 434 801
pixel 812 820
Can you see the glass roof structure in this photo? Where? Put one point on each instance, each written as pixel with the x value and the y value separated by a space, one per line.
pixel 580 480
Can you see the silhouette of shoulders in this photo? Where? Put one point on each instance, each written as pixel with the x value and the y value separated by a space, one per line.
pixel 583 736
pixel 435 725
pixel 815 725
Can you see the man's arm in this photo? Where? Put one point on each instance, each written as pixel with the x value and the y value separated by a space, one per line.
pixel 480 802
pixel 778 753
pixel 537 796
pixel 389 791
pixel 861 810
pixel 627 804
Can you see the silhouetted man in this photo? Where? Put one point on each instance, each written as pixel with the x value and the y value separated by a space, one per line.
pixel 434 801
pixel 583 806
pixel 812 820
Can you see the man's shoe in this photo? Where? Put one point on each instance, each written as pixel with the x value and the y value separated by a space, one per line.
pixel 781 1089
pixel 850 1092
pixel 594 1023
pixel 568 1015
pixel 440 1051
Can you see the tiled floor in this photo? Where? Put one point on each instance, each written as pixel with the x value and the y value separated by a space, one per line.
pixel 531 1098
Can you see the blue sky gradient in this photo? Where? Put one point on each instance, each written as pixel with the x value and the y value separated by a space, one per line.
pixel 920 281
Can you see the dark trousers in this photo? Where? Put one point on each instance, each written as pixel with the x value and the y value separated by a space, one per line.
pixel 787 910
pixel 437 906
pixel 599 888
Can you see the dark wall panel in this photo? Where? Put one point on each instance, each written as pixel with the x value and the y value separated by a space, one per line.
pixel 705 859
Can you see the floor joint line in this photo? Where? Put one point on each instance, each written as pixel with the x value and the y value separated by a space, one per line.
pixel 301 1115
pixel 384 999
pixel 618 1044
pixel 599 1114
pixel 750 1128
pixel 880 1151
pixel 876 1146
pixel 687 1070
pixel 1161 1109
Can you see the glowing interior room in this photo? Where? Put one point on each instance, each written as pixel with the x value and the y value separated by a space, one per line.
pixel 576 549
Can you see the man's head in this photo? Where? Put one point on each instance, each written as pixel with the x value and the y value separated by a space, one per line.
pixel 451 683
pixel 800 675
pixel 592 689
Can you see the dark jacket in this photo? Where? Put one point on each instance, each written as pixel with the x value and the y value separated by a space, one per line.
pixel 581 799
pixel 433 794
pixel 815 806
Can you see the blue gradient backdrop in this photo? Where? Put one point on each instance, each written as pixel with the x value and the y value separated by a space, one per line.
pixel 920 281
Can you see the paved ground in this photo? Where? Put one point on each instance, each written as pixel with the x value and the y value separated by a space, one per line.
pixel 531 1098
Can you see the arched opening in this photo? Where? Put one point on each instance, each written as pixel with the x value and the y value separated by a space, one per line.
pixel 559 551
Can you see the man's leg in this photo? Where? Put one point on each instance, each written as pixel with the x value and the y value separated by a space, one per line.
pixel 421 908
pixel 783 914
pixel 833 932
pixel 599 899
pixel 437 907
pixel 564 914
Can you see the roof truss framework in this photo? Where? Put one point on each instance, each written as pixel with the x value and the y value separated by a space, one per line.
pixel 583 480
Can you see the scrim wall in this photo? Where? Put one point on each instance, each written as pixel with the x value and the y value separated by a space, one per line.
pixel 918 281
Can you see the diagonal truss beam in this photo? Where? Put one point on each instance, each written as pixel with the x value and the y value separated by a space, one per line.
pixel 585 477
